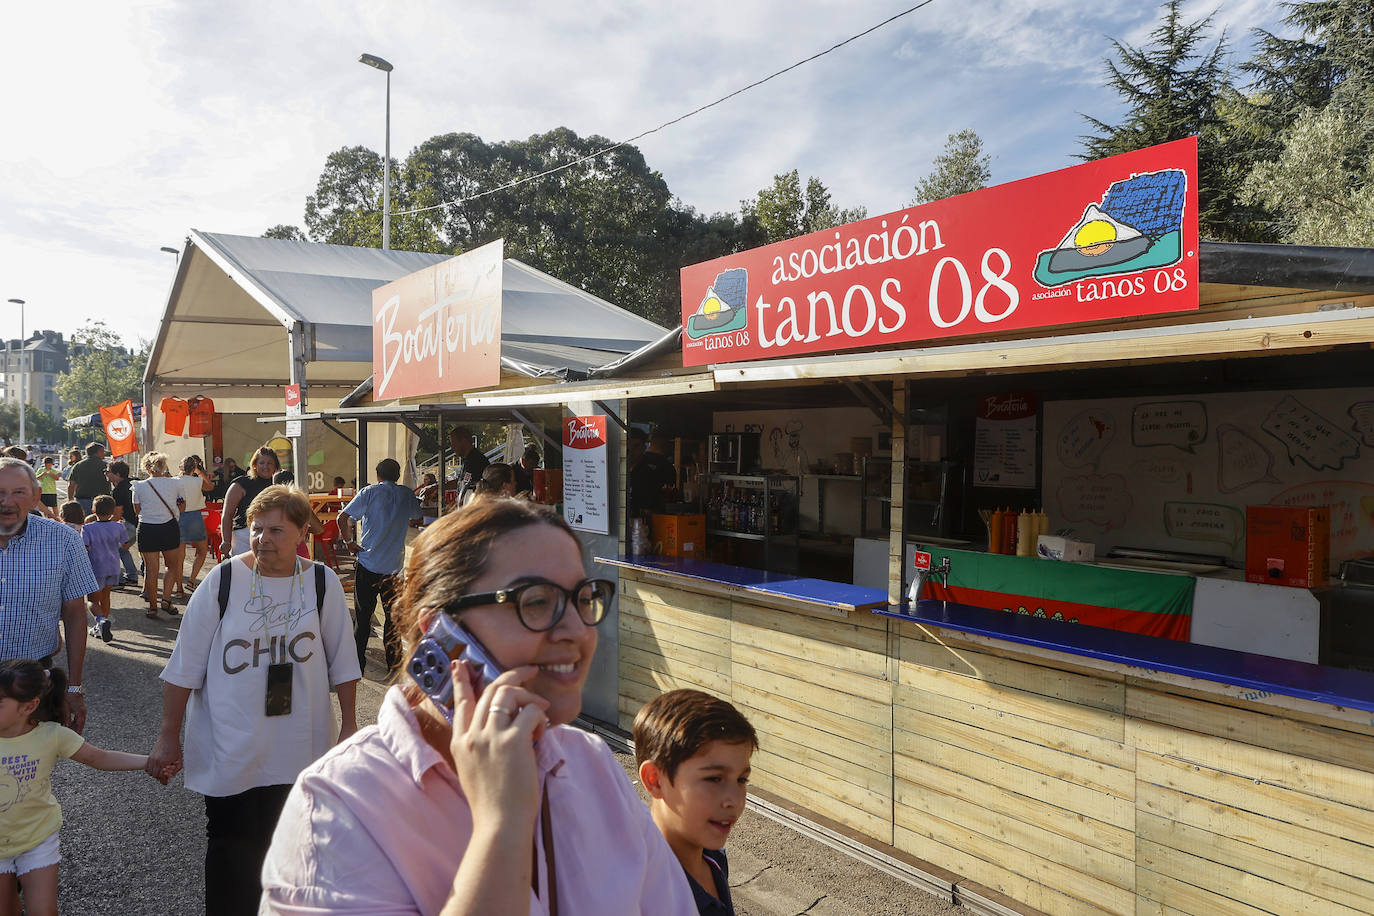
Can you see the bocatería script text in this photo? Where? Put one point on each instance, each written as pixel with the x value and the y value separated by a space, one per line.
pixel 437 335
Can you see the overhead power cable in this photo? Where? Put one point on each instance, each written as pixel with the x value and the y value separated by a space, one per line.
pixel 666 124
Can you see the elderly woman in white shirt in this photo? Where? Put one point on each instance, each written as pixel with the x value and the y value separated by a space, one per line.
pixel 417 815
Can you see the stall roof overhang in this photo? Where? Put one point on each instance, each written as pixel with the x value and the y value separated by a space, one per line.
pixel 1261 282
pixel 236 298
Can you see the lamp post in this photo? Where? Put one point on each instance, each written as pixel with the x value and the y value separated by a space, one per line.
pixel 23 369
pixel 373 60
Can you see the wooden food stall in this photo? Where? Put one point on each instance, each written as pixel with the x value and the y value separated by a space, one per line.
pixel 1012 758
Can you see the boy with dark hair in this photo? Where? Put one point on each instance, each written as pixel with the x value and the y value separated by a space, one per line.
pixel 693 753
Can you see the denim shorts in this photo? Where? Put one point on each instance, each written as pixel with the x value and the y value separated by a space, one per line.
pixel 41 856
pixel 192 526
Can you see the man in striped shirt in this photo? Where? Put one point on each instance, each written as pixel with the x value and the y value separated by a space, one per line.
pixel 45 577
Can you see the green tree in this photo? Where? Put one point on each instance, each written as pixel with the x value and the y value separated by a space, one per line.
pixel 1321 191
pixel 39 424
pixel 101 371
pixel 284 231
pixel 960 168
pixel 1175 86
pixel 783 210
pixel 1310 110
pixel 608 224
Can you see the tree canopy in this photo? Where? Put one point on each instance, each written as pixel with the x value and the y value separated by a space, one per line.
pixel 608 224
pixel 783 210
pixel 1285 138
pixel 961 167
pixel 101 371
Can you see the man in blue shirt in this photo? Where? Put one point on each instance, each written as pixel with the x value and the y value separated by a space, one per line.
pixel 45 577
pixel 385 509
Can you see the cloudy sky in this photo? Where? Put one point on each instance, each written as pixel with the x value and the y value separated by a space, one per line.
pixel 127 123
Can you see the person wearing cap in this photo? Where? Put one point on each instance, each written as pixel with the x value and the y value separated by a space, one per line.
pixel 87 479
pixel 471 461
pixel 385 510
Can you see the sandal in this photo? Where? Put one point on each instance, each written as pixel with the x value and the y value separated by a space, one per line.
pixel 152 613
pixel 168 608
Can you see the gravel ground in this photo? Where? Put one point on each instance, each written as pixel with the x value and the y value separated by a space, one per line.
pixel 131 846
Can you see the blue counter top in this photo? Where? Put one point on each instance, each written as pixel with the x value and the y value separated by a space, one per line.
pixel 1264 674
pixel 836 595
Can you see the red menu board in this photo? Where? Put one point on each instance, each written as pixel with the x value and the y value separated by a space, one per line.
pixel 1106 239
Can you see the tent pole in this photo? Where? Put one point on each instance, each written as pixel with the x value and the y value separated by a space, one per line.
pixel 296 338
pixel 362 455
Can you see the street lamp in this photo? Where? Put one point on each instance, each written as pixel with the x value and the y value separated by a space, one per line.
pixel 23 370
pixel 373 60
pixel 172 251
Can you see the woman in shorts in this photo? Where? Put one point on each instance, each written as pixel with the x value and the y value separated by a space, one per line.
pixel 156 500
pixel 195 483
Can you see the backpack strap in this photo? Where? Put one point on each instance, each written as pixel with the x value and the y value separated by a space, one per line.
pixel 319 587
pixel 224 580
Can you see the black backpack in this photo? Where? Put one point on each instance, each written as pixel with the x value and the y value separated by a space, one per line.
pixel 225 579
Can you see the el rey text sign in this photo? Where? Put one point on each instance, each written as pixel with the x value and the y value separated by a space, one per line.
pixel 1105 239
pixel 439 329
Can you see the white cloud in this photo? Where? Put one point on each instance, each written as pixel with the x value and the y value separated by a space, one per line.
pixel 130 122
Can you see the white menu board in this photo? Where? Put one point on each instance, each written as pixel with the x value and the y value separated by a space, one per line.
pixel 1004 452
pixel 586 503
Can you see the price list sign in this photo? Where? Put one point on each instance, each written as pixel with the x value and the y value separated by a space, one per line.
pixel 585 494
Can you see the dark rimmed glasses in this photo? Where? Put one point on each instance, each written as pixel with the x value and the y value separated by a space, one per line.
pixel 540 604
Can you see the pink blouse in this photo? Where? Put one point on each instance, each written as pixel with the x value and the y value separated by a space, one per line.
pixel 379 825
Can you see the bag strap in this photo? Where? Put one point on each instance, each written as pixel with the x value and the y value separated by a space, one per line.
pixel 319 587
pixel 152 486
pixel 224 579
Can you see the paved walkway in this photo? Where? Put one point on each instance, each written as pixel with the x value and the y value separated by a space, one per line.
pixel 132 846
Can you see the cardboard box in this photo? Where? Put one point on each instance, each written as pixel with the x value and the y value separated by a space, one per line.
pixel 1051 547
pixel 1288 545
pixel 679 536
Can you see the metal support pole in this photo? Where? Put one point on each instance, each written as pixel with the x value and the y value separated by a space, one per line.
pixel 296 337
pixel 362 455
pixel 443 474
pixel 897 573
pixel 386 173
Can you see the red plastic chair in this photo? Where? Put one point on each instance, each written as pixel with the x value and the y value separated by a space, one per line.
pixel 214 516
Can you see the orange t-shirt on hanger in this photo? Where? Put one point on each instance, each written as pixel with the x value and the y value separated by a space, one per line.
pixel 202 416
pixel 175 412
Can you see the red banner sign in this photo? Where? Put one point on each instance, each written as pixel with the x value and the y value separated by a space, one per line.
pixel 119 428
pixel 439 329
pixel 1105 239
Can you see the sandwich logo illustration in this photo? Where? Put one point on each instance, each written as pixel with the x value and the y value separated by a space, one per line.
pixel 724 308
pixel 1136 226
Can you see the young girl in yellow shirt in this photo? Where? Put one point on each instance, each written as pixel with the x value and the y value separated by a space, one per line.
pixel 31 703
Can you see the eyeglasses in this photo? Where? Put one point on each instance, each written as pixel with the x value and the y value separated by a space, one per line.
pixel 540 604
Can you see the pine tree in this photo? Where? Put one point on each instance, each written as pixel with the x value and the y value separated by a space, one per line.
pixel 1175 87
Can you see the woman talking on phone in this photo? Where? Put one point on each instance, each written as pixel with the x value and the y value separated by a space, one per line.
pixel 507 810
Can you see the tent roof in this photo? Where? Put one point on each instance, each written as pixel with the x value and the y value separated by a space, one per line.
pixel 224 330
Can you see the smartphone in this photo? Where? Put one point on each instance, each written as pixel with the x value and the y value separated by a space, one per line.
pixel 445 640
pixel 279 679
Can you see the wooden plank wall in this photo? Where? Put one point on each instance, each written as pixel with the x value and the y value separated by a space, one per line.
pixel 814 687
pixel 1071 788
pixel 1087 791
